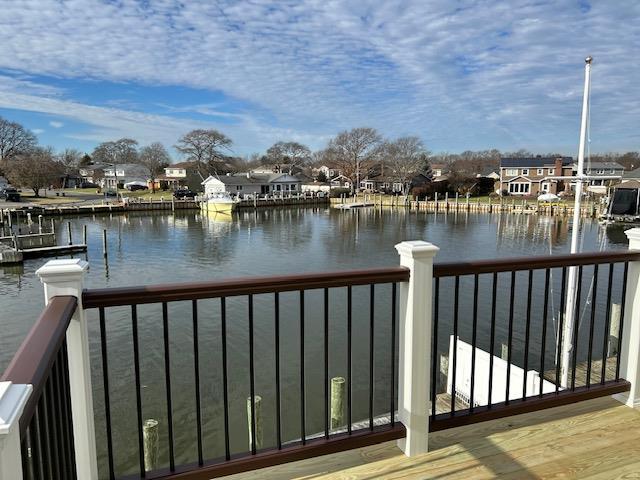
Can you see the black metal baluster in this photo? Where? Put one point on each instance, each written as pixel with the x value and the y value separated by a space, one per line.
pixel 493 336
pixel 277 355
pixel 60 411
pixel 474 336
pixel 576 321
pixel 225 381
pixel 326 362
pixel 196 375
pixel 527 335
pixel 349 335
pixel 434 356
pixel 105 382
pixel 455 344
pixel 563 296
pixel 371 356
pixel 545 317
pixel 167 379
pixel 394 289
pixel 622 302
pixel 40 457
pixel 607 327
pixel 136 371
pixel 252 386
pixel 510 335
pixel 302 389
pixel 28 454
pixel 591 324
pixel 54 417
pixel 47 451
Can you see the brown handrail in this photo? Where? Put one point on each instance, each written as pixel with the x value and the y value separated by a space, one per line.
pixel 33 361
pixel 532 263
pixel 110 297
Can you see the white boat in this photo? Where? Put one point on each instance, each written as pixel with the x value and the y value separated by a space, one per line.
pixel 220 203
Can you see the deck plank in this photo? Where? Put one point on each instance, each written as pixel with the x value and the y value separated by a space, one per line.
pixel 595 439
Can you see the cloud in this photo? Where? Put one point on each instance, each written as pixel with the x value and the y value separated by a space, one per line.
pixel 461 75
pixel 37 131
pixel 56 124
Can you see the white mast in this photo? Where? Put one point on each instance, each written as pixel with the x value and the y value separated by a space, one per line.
pixel 569 320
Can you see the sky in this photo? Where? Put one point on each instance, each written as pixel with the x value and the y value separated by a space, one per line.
pixel 459 74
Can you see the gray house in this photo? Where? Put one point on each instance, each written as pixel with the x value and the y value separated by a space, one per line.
pixel 250 183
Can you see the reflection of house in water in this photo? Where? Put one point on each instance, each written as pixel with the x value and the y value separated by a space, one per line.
pixel 527 230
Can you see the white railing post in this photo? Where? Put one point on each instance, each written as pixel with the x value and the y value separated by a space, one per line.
pixel 65 277
pixel 630 343
pixel 13 398
pixel 414 364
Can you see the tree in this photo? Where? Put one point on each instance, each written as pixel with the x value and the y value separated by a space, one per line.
pixel 14 140
pixel 155 157
pixel 405 157
pixel 85 160
pixel 205 148
pixel 70 158
pixel 35 169
pixel 354 152
pixel 289 154
pixel 123 150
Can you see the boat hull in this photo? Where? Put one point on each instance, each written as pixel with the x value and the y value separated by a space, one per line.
pixel 220 207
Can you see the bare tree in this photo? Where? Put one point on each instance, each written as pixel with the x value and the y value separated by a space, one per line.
pixel 405 158
pixel 354 152
pixel 289 155
pixel 14 140
pixel 35 169
pixel 70 158
pixel 205 148
pixel 155 157
pixel 120 151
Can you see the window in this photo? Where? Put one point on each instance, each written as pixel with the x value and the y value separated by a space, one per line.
pixel 238 187
pixel 545 187
pixel 519 188
pixel 551 171
pixel 525 171
pixel 540 171
pixel 599 172
pixel 613 171
pixel 512 172
pixel 293 186
pixel 278 187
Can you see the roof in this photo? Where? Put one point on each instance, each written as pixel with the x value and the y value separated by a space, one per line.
pixel 253 179
pixel 632 174
pixel 606 166
pixel 131 168
pixel 181 165
pixel 533 162
pixel 631 184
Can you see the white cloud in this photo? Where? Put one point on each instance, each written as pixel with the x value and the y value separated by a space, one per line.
pixel 460 74
pixel 56 124
pixel 37 131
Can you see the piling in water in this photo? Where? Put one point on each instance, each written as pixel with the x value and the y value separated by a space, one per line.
pixel 338 393
pixel 258 410
pixel 104 242
pixel 69 232
pixel 150 442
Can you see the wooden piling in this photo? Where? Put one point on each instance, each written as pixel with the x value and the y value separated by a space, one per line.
pixel 614 328
pixel 84 234
pixel 504 352
pixel 338 393
pixel 40 224
pixel 258 409
pixel 150 442
pixel 53 226
pixel 69 233
pixel 104 242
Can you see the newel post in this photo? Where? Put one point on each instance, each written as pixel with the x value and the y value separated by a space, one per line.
pixel 630 343
pixel 414 371
pixel 65 277
pixel 13 398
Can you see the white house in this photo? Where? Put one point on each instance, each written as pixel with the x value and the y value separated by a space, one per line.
pixel 125 173
pixel 251 183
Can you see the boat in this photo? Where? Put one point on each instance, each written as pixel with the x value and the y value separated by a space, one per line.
pixel 220 203
pixel 625 204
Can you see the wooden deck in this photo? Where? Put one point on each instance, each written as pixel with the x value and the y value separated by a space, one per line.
pixel 595 439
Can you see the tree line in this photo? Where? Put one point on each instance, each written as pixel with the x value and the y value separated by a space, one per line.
pixel 358 154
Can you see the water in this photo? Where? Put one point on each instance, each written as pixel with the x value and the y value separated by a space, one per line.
pixel 146 249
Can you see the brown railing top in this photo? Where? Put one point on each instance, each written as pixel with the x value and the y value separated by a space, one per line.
pixel 33 361
pixel 110 297
pixel 532 263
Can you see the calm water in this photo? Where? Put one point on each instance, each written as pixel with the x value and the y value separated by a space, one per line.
pixel 145 249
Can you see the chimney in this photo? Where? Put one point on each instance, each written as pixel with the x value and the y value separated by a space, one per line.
pixel 558 167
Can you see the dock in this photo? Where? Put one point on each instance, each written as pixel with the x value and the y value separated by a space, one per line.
pixel 53 251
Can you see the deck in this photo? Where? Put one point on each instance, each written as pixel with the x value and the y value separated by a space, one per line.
pixel 595 439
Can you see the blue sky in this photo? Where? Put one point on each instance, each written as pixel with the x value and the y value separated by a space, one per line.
pixel 459 74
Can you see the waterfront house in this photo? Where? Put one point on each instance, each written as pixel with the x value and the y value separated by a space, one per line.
pixel 631 175
pixel 439 171
pixel 92 173
pixel 251 183
pixel 600 185
pixel 531 176
pixel 125 173
pixel 179 175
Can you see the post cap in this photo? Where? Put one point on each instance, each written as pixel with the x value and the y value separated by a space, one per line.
pixel 417 249
pixel 633 234
pixel 13 398
pixel 63 266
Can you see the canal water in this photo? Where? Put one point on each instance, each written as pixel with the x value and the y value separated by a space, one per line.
pixel 189 246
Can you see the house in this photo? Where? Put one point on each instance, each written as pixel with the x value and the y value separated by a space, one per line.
pixel 124 173
pixel 177 175
pixel 277 168
pixel 531 176
pixel 92 173
pixel 439 171
pixel 600 185
pixel 631 176
pixel 251 183
pixel 329 172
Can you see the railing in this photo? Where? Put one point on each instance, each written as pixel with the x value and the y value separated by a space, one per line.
pixel 46 431
pixel 311 296
pixel 526 315
pixel 264 352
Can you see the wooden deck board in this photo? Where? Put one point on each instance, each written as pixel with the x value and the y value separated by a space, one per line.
pixel 596 439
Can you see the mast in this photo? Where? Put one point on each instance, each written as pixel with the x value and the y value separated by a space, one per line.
pixel 570 323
